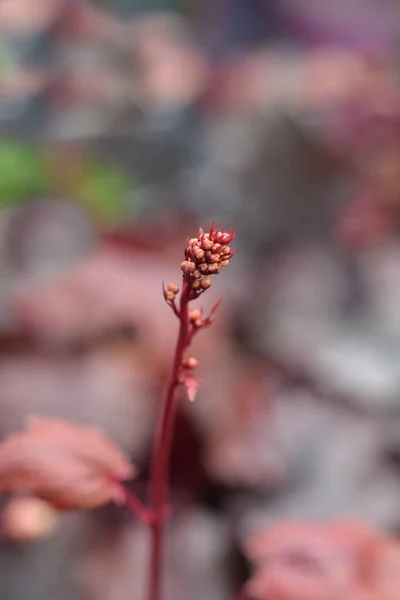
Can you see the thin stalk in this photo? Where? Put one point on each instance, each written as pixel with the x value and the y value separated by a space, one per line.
pixel 136 508
pixel 162 451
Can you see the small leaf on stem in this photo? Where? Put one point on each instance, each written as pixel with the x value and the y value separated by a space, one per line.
pixel 208 320
pixel 191 384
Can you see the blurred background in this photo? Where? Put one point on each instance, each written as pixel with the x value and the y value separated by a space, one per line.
pixel 126 124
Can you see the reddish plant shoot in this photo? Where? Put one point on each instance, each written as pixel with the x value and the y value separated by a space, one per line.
pixel 205 255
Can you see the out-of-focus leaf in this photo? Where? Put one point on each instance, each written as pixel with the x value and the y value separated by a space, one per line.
pixel 105 189
pixel 28 519
pixel 22 174
pixel 68 465
pixel 6 60
pixel 321 561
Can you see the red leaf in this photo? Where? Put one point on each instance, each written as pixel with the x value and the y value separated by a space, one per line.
pixel 68 465
pixel 321 561
pixel 192 386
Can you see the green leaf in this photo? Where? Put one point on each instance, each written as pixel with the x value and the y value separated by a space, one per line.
pixel 106 189
pixel 22 174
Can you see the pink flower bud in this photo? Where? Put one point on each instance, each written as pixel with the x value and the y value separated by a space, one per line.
pixel 214 268
pixel 207 244
pixel 190 363
pixel 205 283
pixel 172 287
pixel 198 253
pixel 195 315
pixel 188 266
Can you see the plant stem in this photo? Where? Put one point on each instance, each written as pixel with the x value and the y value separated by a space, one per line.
pixel 162 451
pixel 136 508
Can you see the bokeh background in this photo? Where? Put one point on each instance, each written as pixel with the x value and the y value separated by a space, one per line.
pixel 126 124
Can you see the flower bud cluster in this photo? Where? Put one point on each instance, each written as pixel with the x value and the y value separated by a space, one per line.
pixel 170 292
pixel 206 255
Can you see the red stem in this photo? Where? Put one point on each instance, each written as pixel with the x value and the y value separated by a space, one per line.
pixel 136 508
pixel 162 451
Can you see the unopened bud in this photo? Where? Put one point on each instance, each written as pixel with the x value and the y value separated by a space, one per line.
pixel 203 268
pixel 205 283
pixel 190 363
pixel 216 248
pixel 207 244
pixel 214 258
pixel 172 287
pixel 193 241
pixel 187 266
pixel 198 323
pixel 199 253
pixel 224 263
pixel 196 284
pixel 195 314
pixel 196 274
pixel 214 268
pixel 169 295
pixel 226 250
